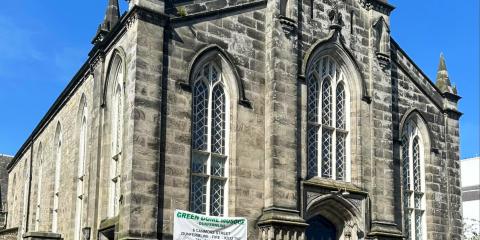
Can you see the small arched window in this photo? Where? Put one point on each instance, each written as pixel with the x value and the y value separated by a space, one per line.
pixel 82 155
pixel 328 126
pixel 413 183
pixel 56 188
pixel 116 78
pixel 210 123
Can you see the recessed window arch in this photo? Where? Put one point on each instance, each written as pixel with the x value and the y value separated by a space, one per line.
pixel 116 79
pixel 56 187
pixel 80 178
pixel 328 115
pixel 413 181
pixel 212 95
pixel 38 211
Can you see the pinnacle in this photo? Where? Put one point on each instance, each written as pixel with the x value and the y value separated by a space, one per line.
pixel 442 66
pixel 112 16
pixel 443 81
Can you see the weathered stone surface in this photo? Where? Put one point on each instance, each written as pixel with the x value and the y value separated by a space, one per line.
pixel 4 160
pixel 268 49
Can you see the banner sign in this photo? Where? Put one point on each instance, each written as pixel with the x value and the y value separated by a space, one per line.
pixel 192 226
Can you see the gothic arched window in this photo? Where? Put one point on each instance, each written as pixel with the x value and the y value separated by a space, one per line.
pixel 82 155
pixel 116 107
pixel 209 142
pixel 56 188
pixel 413 183
pixel 39 187
pixel 328 126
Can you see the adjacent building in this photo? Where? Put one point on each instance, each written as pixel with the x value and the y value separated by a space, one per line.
pixel 471 195
pixel 4 160
pixel 304 117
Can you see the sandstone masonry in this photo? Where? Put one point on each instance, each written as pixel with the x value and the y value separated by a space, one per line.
pixel 266 50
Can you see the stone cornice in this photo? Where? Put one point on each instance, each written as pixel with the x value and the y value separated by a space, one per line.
pixel 378 6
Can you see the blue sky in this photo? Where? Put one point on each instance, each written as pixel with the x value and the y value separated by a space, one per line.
pixel 44 43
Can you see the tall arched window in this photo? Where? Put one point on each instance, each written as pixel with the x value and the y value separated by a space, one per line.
pixel 413 183
pixel 82 154
pixel 116 134
pixel 210 123
pixel 39 187
pixel 26 177
pixel 56 187
pixel 328 125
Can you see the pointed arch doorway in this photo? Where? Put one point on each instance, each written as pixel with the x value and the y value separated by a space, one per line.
pixel 320 228
pixel 333 217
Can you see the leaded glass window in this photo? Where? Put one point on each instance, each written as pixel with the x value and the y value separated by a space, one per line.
pixel 209 142
pixel 327 114
pixel 413 182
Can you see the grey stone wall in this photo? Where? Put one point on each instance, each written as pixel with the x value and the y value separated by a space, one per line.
pixel 4 160
pixel 267 160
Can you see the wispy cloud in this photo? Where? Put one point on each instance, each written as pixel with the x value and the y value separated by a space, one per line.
pixel 17 43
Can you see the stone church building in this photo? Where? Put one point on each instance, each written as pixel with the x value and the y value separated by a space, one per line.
pixel 304 117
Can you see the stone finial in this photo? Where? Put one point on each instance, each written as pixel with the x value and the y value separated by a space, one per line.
pixel 443 81
pixel 112 16
pixel 335 17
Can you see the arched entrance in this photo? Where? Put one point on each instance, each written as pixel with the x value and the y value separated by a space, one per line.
pixel 332 217
pixel 320 229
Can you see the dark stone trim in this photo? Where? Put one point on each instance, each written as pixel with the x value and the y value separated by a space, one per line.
pixel 333 185
pixel 437 103
pixel 218 13
pixel 7 231
pixel 184 86
pixel 335 40
pixel 98 52
pixel 246 103
pixel 108 223
pixel 397 47
pixel 385 229
pixel 66 94
pixel 117 53
pixel 453 114
pixel 41 235
pixel 451 96
pixel 410 114
pixel 218 51
pixel 281 216
pixel 378 6
pixel 302 79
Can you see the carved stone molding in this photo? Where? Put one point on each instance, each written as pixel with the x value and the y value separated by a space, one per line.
pixel 281 224
pixel 131 21
pixel 289 26
pixel 281 233
pixel 378 6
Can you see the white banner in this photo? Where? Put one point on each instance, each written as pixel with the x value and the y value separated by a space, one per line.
pixel 192 226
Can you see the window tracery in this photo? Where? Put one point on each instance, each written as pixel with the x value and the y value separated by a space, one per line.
pixel 328 129
pixel 209 142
